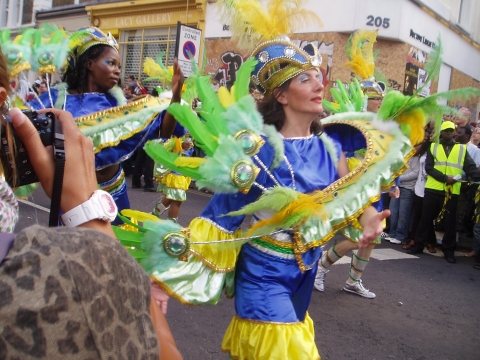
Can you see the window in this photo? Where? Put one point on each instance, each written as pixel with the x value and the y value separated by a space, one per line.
pixel 465 15
pixel 136 45
pixel 27 15
pixel 57 3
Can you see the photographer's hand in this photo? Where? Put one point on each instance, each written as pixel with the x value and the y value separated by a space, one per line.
pixel 79 180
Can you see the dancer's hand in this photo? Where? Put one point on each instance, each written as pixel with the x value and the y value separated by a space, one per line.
pixel 373 227
pixel 160 296
pixel 177 82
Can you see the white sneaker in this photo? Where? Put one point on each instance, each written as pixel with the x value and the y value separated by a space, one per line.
pixel 358 289
pixel 393 240
pixel 319 283
pixel 383 235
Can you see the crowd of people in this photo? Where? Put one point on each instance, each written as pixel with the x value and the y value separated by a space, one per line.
pixel 421 216
pixel 303 181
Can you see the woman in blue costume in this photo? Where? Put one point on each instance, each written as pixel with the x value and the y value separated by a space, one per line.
pixel 91 95
pixel 297 172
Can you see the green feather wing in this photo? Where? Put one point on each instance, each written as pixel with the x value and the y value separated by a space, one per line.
pixel 160 154
pixel 242 83
pixel 211 108
pixel 198 129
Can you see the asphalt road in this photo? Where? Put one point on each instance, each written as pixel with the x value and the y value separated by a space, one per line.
pixel 425 308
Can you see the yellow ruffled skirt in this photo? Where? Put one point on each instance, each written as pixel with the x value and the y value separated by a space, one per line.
pixel 257 340
pixel 174 186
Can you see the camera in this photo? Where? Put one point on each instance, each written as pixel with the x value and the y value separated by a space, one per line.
pixel 17 169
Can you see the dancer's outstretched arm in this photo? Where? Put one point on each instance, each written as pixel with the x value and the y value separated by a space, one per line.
pixel 169 122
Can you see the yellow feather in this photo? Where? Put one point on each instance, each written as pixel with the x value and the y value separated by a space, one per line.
pixel 225 98
pixel 177 148
pixel 360 51
pixel 306 204
pixel 191 162
pixel 416 121
pixel 152 69
pixel 251 23
pixel 138 215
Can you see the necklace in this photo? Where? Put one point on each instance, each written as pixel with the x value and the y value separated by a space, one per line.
pixel 274 179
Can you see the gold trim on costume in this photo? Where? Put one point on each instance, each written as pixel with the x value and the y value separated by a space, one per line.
pixel 210 264
pixel 170 292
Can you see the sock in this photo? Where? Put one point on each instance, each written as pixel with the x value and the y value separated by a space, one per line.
pixel 175 220
pixel 356 268
pixel 329 258
pixel 160 208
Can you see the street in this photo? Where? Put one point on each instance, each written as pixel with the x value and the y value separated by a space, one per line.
pixel 424 309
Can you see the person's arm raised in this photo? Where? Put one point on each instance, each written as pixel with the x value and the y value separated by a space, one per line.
pixel 169 122
pixel 79 181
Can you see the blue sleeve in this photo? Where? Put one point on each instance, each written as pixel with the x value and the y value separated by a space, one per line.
pixel 45 100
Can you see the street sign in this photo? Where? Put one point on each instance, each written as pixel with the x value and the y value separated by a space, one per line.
pixel 187 47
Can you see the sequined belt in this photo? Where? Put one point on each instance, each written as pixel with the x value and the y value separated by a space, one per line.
pixel 280 245
pixel 115 183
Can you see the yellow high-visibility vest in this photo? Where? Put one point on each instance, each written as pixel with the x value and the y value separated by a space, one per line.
pixel 450 166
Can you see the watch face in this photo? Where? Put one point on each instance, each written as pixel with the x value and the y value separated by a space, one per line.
pixel 108 204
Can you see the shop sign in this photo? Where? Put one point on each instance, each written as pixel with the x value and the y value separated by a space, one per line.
pixel 138 21
pixel 421 38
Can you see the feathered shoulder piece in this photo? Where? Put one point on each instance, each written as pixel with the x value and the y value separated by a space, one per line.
pixel 17 53
pixel 252 23
pixel 227 129
pixel 50 47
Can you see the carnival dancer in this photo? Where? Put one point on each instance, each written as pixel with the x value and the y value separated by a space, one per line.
pixel 293 179
pixel 90 93
pixel 173 185
pixel 369 99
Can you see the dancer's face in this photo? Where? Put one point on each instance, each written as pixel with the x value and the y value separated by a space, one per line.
pixel 374 104
pixel 104 70
pixel 304 94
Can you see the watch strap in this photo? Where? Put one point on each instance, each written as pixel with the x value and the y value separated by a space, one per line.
pixel 91 209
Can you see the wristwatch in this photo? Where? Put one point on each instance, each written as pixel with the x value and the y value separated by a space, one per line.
pixel 100 206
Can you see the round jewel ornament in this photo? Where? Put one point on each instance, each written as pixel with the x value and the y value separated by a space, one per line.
pixel 243 174
pixel 176 244
pixel 249 141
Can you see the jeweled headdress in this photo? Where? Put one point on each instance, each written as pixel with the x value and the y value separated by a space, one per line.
pixel 265 31
pixel 359 50
pixel 85 38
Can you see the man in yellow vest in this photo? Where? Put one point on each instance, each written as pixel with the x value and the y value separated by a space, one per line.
pixel 444 166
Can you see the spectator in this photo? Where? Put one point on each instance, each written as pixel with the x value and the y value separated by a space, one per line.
pixel 42 87
pixel 140 89
pixel 464 119
pixel 143 166
pixel 444 165
pixel 420 193
pixel 129 92
pixel 401 207
pixel 466 203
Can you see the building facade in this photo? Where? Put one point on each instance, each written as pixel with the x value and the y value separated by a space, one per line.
pixel 146 28
pixel 407 31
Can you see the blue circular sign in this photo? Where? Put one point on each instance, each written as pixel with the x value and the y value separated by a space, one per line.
pixel 189 50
